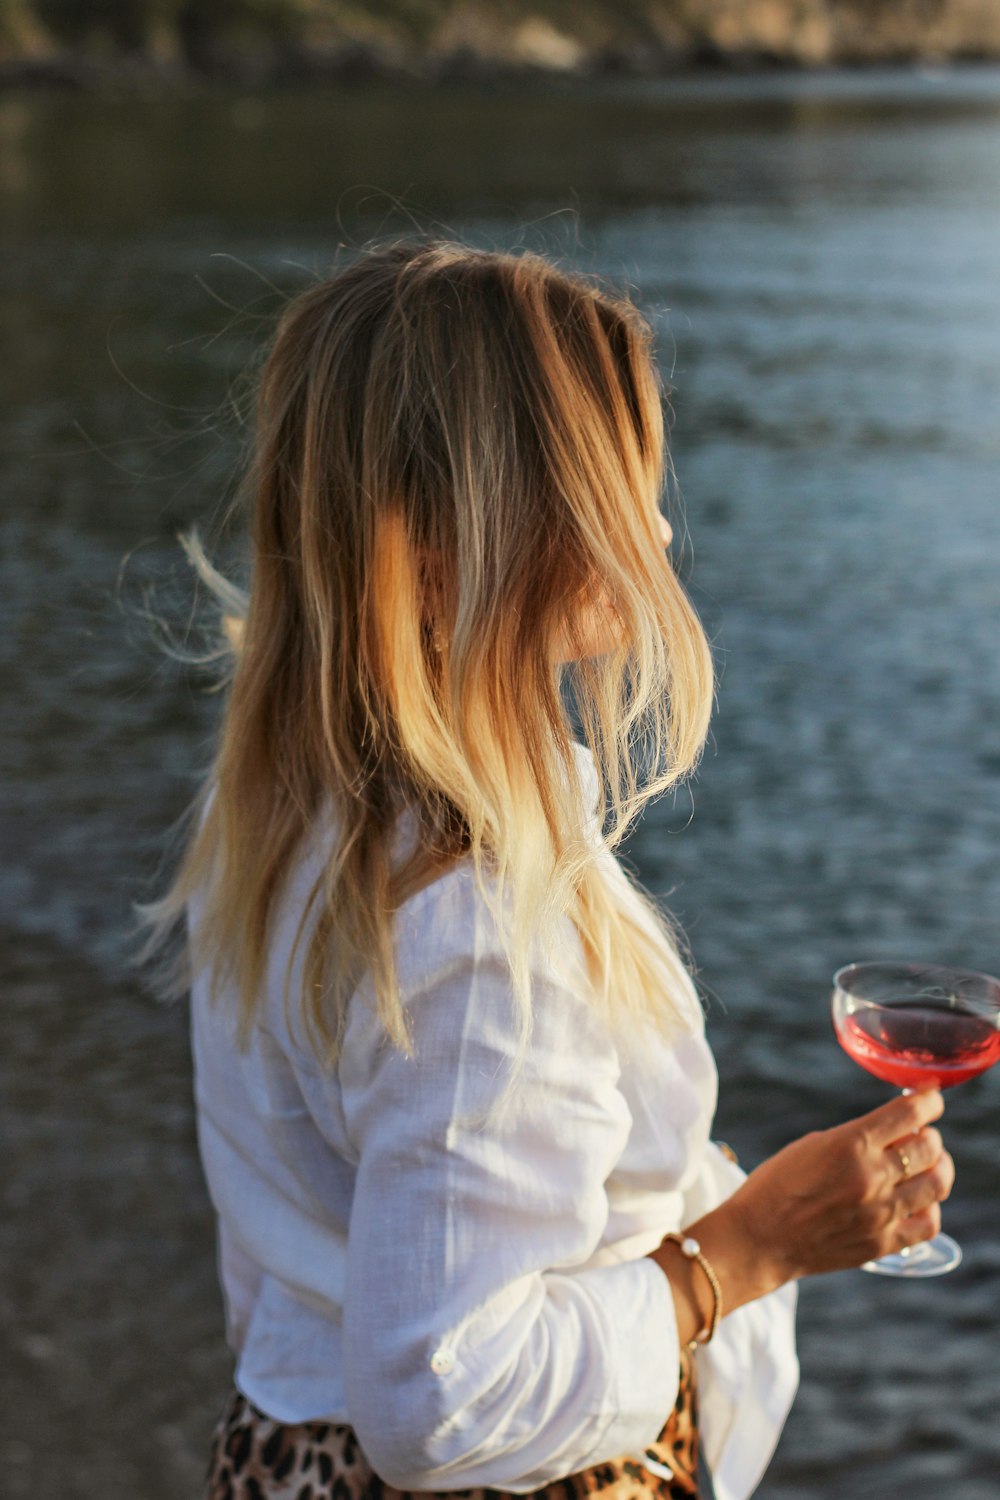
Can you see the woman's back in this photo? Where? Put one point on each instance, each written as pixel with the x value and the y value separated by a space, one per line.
pixel 281 1140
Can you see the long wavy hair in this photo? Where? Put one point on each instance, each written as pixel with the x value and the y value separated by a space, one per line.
pixel 458 461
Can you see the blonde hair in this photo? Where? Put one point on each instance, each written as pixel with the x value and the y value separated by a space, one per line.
pixel 455 451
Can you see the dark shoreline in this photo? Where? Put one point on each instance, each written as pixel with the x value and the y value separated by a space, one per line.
pixel 361 63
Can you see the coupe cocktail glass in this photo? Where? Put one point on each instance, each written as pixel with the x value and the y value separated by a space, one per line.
pixel 918 1026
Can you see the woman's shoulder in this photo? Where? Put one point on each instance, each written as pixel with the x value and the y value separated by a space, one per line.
pixel 457 909
pixel 460 920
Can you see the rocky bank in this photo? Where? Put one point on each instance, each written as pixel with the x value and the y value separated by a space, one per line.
pixel 97 42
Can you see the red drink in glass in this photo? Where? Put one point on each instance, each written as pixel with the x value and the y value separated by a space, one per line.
pixel 933 1042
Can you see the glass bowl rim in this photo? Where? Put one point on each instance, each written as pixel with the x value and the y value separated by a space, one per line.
pixel 992 980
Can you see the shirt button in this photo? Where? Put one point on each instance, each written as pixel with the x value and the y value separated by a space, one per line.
pixel 442 1360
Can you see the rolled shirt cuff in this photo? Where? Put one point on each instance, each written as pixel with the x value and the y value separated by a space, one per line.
pixel 643 1354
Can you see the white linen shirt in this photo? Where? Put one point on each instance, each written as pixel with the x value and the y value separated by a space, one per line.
pixel 479 1305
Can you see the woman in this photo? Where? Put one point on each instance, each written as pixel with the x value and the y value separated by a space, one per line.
pixel 454 1094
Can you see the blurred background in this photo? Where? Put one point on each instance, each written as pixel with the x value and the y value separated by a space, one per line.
pixel 805 196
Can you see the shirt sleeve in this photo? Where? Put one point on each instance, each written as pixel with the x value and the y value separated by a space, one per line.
pixel 479 1346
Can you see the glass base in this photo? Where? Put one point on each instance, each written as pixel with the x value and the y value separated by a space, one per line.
pixel 929 1258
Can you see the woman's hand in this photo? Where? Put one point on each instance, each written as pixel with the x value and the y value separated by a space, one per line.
pixel 836 1198
pixel 828 1202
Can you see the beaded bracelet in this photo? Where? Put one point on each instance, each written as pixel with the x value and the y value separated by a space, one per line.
pixel 690 1247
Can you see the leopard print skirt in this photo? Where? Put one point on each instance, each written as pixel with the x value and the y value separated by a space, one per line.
pixel 256 1458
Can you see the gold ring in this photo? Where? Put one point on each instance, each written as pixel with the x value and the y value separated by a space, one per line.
pixel 904 1161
